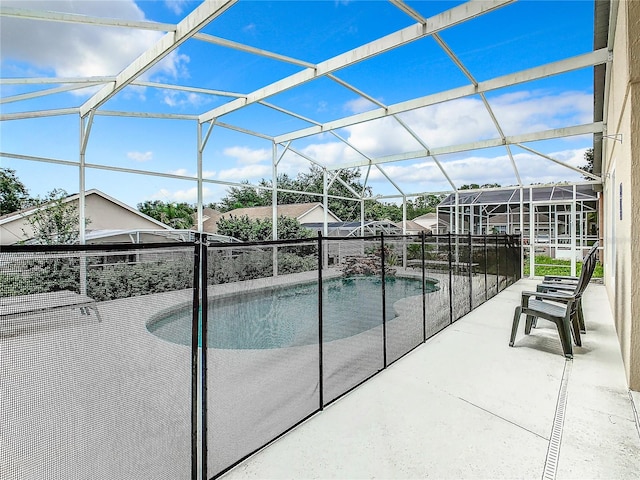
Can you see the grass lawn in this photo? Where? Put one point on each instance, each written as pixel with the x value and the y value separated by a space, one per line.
pixel 551 266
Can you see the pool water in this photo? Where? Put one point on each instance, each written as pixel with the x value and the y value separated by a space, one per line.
pixel 289 316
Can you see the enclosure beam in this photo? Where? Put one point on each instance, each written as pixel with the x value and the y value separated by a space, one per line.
pixel 590 59
pixel 483 144
pixel 434 24
pixel 189 26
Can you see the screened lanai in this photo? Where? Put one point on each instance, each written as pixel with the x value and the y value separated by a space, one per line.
pixel 414 97
pixel 180 101
pixel 564 224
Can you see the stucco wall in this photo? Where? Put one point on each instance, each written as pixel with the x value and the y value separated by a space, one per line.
pixel 105 215
pixel 317 216
pixel 102 214
pixel 621 167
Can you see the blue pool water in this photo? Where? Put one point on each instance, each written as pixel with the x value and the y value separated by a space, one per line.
pixel 289 316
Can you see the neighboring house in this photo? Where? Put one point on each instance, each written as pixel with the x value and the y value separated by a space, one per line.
pixel 430 222
pixel 414 228
pixel 305 213
pixel 110 221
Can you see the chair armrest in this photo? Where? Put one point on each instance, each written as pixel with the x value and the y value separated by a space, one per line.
pixel 559 278
pixel 561 287
pixel 554 297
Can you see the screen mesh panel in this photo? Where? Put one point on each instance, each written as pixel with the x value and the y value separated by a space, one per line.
pixel 461 269
pixel 98 365
pixel 480 278
pixel 437 277
pixel 88 391
pixel 403 296
pixel 493 269
pixel 352 315
pixel 263 358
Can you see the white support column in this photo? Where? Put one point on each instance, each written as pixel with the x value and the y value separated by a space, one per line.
pixel 522 230
pixel 362 218
pixel 456 214
pixel 274 191
pixel 573 224
pixel 325 203
pixel 200 184
pixel 404 214
pixel 81 182
pixel 274 204
pixel 532 221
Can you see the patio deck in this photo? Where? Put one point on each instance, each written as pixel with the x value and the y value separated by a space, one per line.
pixel 465 405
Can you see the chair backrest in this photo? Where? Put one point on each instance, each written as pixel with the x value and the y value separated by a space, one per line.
pixel 586 273
pixel 592 251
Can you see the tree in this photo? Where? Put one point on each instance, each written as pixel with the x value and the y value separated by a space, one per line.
pixel 256 230
pixel 588 157
pixel 310 182
pixel 13 194
pixel 176 215
pixel 54 221
pixel 242 197
pixel 475 186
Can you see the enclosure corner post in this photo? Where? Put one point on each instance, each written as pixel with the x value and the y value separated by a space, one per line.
pixel 320 325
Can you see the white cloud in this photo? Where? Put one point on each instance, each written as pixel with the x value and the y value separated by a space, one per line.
pixel 185 173
pixel 359 105
pixel 176 6
pixel 246 155
pixel 190 195
pixel 481 170
pixel 249 28
pixel 175 98
pixel 249 172
pixel 467 120
pixel 140 156
pixel 70 49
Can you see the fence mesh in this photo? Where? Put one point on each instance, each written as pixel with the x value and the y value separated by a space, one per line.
pixel 262 346
pixel 404 296
pixel 461 274
pixel 87 390
pixel 99 359
pixel 437 283
pixel 352 321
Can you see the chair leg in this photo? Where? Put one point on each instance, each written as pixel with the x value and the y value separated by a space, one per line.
pixel 514 327
pixel 575 329
pixel 583 328
pixel 531 322
pixel 564 331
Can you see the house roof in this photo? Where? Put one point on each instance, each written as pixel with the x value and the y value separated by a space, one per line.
pixel 413 226
pixel 25 212
pixel 295 210
pixel 427 216
pixel 511 195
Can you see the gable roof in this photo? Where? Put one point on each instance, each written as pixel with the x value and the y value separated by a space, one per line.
pixel 25 212
pixel 295 210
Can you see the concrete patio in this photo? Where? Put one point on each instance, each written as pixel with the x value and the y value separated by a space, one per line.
pixel 465 405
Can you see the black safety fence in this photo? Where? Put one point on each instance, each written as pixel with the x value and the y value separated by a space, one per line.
pixel 94 382
pixel 181 360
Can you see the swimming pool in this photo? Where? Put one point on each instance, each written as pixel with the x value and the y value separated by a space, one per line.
pixel 288 317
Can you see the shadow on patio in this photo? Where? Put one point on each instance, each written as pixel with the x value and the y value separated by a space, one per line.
pixel 465 405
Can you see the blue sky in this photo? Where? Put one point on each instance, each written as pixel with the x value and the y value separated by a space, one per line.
pixel 522 35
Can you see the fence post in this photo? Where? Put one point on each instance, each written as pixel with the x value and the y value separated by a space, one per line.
pixel 486 289
pixel 424 293
pixel 320 326
pixel 470 272
pixel 195 330
pixel 204 327
pixel 497 266
pixel 384 302
pixel 450 281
